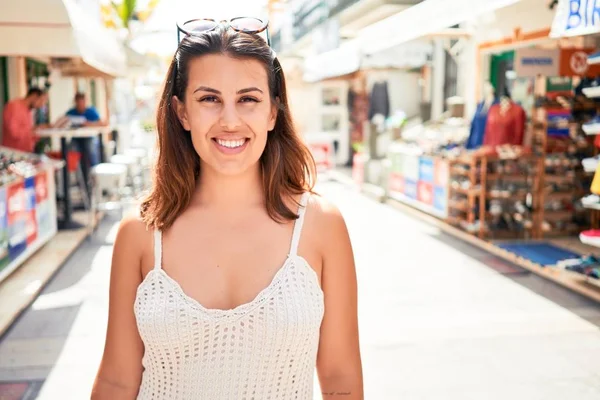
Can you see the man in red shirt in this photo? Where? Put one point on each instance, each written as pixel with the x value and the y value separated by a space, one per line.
pixel 17 120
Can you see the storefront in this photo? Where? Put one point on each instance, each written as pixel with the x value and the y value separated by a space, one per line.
pixel 49 45
pixel 515 175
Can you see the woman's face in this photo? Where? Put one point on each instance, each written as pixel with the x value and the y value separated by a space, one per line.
pixel 228 111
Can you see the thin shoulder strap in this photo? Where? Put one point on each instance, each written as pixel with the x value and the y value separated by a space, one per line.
pixel 298 224
pixel 157 249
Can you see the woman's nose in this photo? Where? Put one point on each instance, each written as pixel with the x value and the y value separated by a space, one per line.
pixel 230 119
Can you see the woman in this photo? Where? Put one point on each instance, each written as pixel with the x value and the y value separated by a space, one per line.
pixel 235 283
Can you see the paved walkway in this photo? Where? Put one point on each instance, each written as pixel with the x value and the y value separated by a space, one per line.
pixel 439 319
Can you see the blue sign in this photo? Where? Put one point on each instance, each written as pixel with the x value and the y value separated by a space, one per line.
pixel 410 188
pixel 426 171
pixel 440 198
pixel 576 18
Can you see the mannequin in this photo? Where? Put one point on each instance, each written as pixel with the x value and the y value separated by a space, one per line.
pixel 506 123
pixel 479 122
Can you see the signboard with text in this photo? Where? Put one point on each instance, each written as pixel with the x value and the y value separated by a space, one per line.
pixel 530 62
pixel 17 223
pixel 576 18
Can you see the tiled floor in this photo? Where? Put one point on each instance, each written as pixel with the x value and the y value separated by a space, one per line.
pixel 439 319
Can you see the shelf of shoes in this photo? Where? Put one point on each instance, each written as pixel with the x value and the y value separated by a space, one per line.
pixel 511 185
pixel 465 193
pixel 560 141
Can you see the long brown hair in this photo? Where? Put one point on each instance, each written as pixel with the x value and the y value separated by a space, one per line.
pixel 287 165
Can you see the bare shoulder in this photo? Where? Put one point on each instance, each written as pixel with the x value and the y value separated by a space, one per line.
pixel 134 241
pixel 326 223
pixel 324 214
pixel 133 232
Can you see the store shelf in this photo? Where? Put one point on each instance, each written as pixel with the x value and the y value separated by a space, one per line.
pixel 511 196
pixel 591 129
pixel 507 177
pixel 559 196
pixel 459 207
pixel 460 172
pixel 592 92
pixel 557 215
pixel 558 179
pixel 467 192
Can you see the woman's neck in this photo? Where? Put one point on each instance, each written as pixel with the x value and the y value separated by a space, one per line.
pixel 229 191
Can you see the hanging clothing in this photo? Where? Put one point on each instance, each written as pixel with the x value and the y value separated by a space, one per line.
pixel 266 348
pixel 477 132
pixel 505 127
pixel 380 100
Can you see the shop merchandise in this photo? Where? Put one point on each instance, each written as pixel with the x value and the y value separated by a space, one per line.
pixel 478 124
pixel 590 237
pixel 505 124
pixel 15 165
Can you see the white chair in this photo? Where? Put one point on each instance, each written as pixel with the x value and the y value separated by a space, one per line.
pixel 134 170
pixel 108 182
pixel 141 155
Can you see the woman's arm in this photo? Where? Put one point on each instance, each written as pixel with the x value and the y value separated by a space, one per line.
pixel 339 364
pixel 120 371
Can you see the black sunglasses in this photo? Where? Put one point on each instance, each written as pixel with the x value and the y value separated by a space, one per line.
pixel 248 25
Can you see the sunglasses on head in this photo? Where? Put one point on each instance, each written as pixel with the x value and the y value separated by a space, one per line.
pixel 248 25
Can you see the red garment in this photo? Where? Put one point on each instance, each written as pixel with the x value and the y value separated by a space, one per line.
pixel 17 126
pixel 505 128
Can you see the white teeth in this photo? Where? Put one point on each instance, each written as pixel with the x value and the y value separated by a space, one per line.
pixel 232 144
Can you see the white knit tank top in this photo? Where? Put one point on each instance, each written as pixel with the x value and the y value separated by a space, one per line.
pixel 261 350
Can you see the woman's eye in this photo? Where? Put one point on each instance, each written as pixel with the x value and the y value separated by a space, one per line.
pixel 249 99
pixel 209 99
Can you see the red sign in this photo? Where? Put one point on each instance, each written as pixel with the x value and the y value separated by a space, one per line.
pixel 322 154
pixel 573 62
pixel 41 187
pixel 16 202
pixel 396 182
pixel 425 193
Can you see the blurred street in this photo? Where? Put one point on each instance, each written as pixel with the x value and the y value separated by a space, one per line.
pixel 439 319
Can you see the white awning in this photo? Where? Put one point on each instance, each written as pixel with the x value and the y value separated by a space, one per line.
pixel 349 58
pixel 338 62
pixel 59 28
pixel 424 19
pixel 575 18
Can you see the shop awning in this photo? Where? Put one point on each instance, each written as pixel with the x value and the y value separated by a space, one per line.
pixel 60 29
pixel 576 18
pixel 423 19
pixel 350 57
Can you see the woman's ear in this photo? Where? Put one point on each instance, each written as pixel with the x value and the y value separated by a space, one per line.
pixel 179 108
pixel 273 115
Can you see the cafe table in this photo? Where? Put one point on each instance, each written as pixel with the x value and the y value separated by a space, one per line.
pixel 66 135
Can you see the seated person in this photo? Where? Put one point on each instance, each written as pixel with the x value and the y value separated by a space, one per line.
pixel 89 117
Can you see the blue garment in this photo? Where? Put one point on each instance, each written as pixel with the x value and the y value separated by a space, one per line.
pixel 478 126
pixel 91 145
pixel 90 114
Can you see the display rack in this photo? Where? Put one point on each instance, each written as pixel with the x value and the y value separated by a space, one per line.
pixel 562 180
pixel 465 200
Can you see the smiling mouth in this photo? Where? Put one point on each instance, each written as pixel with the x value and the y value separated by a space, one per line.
pixel 231 144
